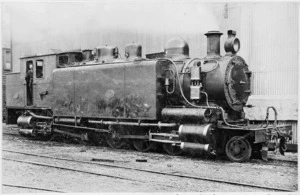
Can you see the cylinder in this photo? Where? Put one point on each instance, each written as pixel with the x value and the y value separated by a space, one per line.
pixel 195 147
pixel 26 131
pixel 213 44
pixel 188 132
pixel 25 121
pixel 185 114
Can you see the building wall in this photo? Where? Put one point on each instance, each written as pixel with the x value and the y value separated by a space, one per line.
pixel 6 68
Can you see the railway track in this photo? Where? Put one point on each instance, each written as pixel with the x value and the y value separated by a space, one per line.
pixel 3 133
pixel 201 178
pixel 69 169
pixel 273 162
pixel 33 188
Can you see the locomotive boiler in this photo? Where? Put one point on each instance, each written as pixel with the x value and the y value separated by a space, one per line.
pixel 184 104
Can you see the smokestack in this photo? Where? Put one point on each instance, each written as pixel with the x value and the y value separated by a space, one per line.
pixel 213 44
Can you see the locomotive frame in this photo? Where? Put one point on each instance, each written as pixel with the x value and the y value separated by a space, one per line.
pixel 193 105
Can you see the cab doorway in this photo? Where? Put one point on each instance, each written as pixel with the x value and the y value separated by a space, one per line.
pixel 29 83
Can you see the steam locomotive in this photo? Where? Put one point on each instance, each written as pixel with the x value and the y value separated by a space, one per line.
pixel 184 104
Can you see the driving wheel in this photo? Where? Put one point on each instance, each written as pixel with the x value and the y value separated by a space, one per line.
pixel 172 150
pixel 113 138
pixel 238 149
pixel 142 145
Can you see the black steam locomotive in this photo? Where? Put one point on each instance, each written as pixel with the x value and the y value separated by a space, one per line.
pixel 184 104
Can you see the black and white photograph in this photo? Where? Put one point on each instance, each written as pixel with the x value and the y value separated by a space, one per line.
pixel 154 96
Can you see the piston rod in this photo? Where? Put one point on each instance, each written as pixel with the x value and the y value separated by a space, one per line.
pixel 86 128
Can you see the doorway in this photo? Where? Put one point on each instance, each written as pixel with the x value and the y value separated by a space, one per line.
pixel 29 82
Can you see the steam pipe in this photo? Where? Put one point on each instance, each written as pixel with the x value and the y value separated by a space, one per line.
pixel 159 124
pixel 39 116
pixel 86 128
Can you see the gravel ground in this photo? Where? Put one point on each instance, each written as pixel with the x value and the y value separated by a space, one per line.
pixel 274 174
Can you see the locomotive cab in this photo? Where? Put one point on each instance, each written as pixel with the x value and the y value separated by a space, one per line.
pixel 30 89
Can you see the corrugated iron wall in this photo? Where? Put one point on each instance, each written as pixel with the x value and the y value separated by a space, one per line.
pixel 274 51
pixel 270 45
pixel 294 125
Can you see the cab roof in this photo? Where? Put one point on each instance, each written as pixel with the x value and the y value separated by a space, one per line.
pixel 55 52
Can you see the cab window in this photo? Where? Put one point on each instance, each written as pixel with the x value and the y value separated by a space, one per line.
pixel 39 69
pixel 63 60
pixel 28 63
pixel 78 57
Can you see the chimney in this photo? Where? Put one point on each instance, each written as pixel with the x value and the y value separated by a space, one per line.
pixel 213 44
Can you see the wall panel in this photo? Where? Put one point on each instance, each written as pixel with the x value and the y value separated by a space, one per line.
pixel 274 56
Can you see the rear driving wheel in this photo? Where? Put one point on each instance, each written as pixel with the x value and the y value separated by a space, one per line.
pixel 172 149
pixel 238 149
pixel 113 138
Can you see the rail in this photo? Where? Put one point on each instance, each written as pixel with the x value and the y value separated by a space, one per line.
pixel 203 178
